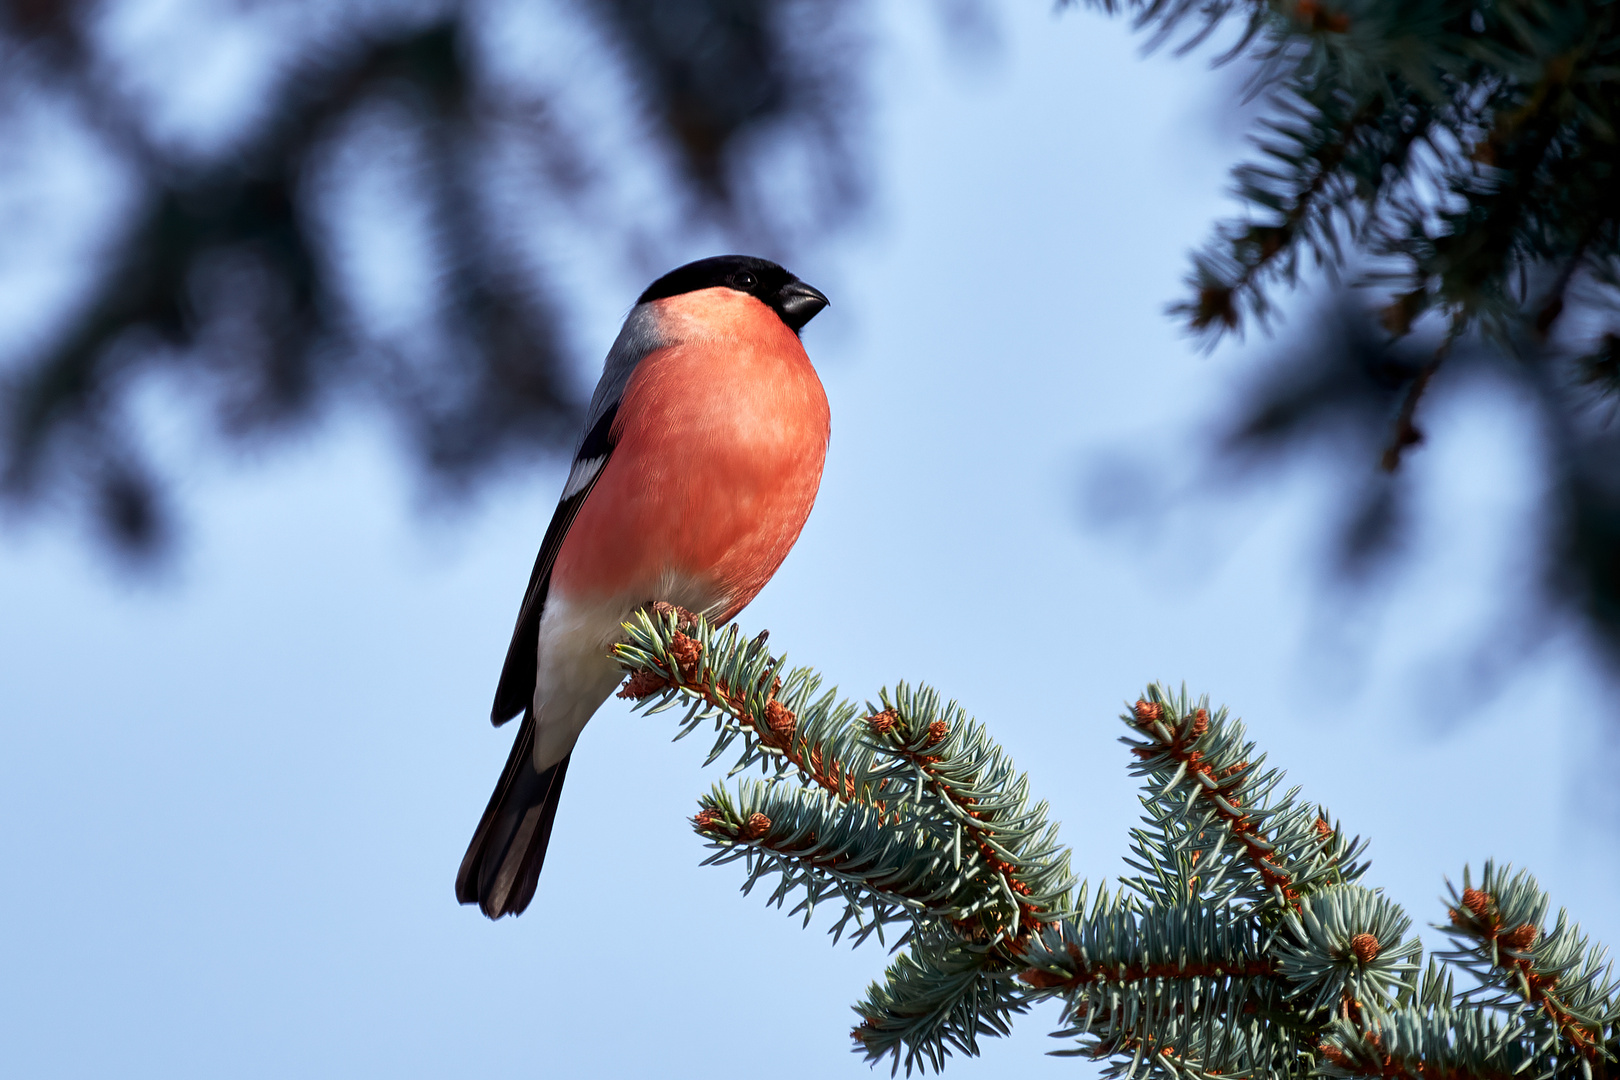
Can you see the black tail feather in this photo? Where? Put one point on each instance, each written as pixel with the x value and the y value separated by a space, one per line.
pixel 502 865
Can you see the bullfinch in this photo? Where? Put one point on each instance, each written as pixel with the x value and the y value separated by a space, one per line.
pixel 701 457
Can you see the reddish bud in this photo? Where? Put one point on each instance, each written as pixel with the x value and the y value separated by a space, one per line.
pixel 937 732
pixel 1520 938
pixel 779 719
pixel 1312 16
pixel 1216 304
pixel 882 723
pixel 1365 947
pixel 1475 901
pixel 643 684
pixel 1333 1054
pixel 684 619
pixel 687 654
pixel 1399 315
pixel 1043 979
pixel 1147 711
pixel 755 827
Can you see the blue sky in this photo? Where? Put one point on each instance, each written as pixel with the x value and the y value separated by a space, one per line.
pixel 235 797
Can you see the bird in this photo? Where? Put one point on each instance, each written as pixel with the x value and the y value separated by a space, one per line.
pixel 701 457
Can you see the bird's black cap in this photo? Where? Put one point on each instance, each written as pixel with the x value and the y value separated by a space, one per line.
pixel 793 300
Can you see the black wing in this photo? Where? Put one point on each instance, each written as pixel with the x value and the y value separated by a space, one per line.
pixel 516 690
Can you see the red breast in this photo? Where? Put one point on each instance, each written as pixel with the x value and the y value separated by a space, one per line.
pixel 721 437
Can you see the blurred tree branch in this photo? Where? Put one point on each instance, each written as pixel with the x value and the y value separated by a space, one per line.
pixel 224 274
pixel 1460 158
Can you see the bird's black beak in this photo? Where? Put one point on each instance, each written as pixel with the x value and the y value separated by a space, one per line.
pixel 798 303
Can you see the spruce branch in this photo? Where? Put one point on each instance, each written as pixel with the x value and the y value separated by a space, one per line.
pixel 1562 983
pixel 1242 945
pixel 940 762
pixel 1406 433
pixel 782 724
pixel 1114 946
pixel 1434 1042
pixel 1460 150
pixel 1175 990
pixel 1347 944
pixel 1302 191
pixel 882 871
pixel 938 997
pixel 1214 826
pixel 906 812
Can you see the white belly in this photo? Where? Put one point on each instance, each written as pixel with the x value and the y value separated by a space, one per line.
pixel 575 673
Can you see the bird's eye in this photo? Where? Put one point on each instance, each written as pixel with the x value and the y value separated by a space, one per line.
pixel 744 280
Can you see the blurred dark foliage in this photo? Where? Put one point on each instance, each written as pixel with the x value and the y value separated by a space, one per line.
pixel 224 278
pixel 1339 382
pixel 1462 156
pixel 1339 386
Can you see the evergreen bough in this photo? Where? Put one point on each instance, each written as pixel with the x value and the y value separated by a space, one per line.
pixel 1241 945
pixel 1468 148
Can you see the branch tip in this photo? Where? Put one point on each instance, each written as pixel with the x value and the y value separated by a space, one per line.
pixel 755 827
pixel 883 722
pixel 779 721
pixel 688 654
pixel 643 684
pixel 684 619
pixel 1365 947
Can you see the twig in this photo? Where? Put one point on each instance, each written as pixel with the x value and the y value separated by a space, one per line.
pixel 1406 432
pixel 1217 791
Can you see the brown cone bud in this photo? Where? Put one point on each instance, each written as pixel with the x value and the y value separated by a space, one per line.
pixel 1216 304
pixel 755 827
pixel 643 684
pixel 687 654
pixel 1333 1054
pixel 1365 946
pixel 1520 938
pixel 1147 711
pixel 779 719
pixel 1475 901
pixel 1314 17
pixel 684 619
